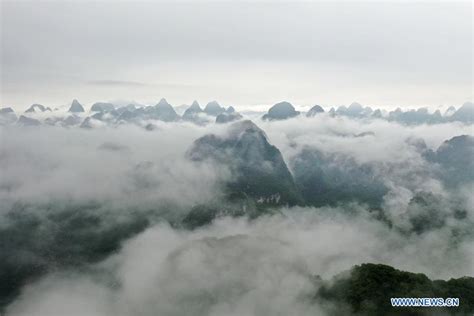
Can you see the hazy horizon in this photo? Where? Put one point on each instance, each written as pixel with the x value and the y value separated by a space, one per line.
pixel 121 196
pixel 395 54
pixel 244 108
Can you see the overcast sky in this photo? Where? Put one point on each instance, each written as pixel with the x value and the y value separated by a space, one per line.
pixel 240 53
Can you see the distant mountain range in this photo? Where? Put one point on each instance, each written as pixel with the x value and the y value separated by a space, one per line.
pixel 213 112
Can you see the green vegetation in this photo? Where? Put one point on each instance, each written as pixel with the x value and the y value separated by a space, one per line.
pixel 35 241
pixel 367 289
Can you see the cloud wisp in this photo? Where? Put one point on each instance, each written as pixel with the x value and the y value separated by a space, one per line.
pixel 104 209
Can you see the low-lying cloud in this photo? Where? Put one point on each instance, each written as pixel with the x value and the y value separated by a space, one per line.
pixel 125 164
pixel 236 267
pixel 98 182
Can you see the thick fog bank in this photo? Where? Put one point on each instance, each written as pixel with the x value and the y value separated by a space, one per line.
pixel 119 165
pixel 225 219
pixel 235 267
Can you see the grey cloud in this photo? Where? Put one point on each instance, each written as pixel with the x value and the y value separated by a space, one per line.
pixel 237 267
pixel 97 203
pixel 59 164
pixel 240 50
pixel 117 83
pixel 120 83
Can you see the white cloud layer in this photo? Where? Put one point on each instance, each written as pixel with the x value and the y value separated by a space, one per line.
pixel 234 266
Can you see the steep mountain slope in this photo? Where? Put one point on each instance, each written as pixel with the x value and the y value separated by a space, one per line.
pixel 456 158
pixel 329 179
pixel 258 169
pixel 76 107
